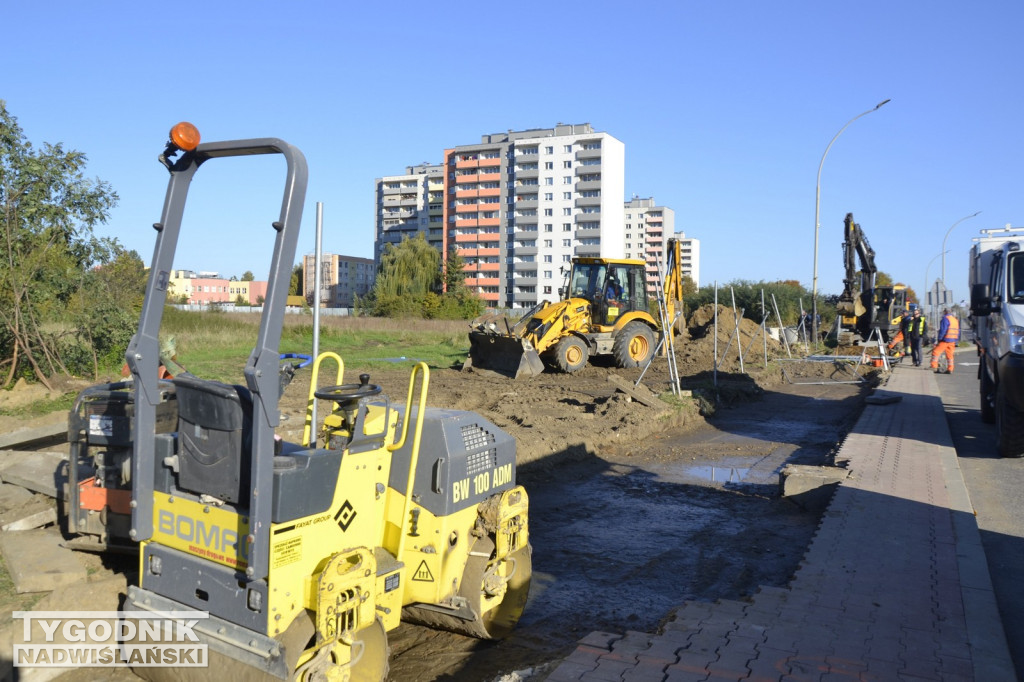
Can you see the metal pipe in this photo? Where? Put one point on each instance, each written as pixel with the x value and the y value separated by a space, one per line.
pixel 317 248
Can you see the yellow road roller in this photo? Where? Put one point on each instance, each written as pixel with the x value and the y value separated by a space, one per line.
pixel 305 555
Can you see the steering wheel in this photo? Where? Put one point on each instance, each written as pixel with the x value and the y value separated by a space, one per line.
pixel 346 393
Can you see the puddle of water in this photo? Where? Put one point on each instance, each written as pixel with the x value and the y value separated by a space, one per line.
pixel 717 474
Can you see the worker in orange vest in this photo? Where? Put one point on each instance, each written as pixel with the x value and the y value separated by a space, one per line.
pixel 949 335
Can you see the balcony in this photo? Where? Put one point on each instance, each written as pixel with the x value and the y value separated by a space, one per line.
pixel 588 201
pixel 522 234
pixel 472 163
pixel 525 281
pixel 490 163
pixel 527 189
pixel 466 179
pixel 588 233
pixel 490 192
pixel 527 204
pixel 527 173
pixel 588 250
pixel 524 297
pixel 525 251
pixel 467 193
pixel 466 208
pixel 588 185
pixel 526 220
pixel 488 176
pixel 524 265
pixel 588 154
pixel 388 191
pixel 588 169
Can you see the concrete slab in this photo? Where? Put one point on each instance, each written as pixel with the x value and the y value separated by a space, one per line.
pixel 40 472
pixel 37 562
pixel 810 486
pixel 22 439
pixel 13 496
pixel 35 513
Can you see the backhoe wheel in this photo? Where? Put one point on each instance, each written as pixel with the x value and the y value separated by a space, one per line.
pixel 571 354
pixel 634 345
pixel 496 590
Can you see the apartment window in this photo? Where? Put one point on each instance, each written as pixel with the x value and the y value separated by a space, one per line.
pixel 547 274
pixel 567 180
pixel 549 181
pixel 547 290
pixel 547 243
pixel 566 227
pixel 566 242
pixel 567 164
pixel 549 211
pixel 566 211
pixel 547 259
pixel 549 165
pixel 566 259
pixel 567 148
pixel 548 227
pixel 549 196
pixel 567 195
pixel 549 150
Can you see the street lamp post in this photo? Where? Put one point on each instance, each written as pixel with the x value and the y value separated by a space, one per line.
pixel 944 252
pixel 931 307
pixel 817 221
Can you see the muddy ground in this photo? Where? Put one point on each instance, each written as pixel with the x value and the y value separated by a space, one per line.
pixel 634 509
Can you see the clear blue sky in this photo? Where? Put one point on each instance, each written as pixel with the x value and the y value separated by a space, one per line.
pixel 725 109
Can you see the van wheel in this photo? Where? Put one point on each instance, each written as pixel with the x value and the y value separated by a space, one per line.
pixel 634 345
pixel 1009 427
pixel 988 412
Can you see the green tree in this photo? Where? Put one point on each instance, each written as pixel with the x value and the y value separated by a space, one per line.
pixel 105 311
pixel 454 272
pixel 410 269
pixel 411 282
pixel 49 210
pixel 247 276
pixel 295 286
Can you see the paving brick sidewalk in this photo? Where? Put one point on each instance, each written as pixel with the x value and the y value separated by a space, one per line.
pixel 893 587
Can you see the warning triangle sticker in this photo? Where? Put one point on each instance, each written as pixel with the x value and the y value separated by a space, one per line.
pixel 423 573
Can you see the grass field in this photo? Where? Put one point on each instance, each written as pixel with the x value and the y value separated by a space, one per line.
pixel 217 345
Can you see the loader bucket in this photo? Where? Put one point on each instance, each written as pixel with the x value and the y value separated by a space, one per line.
pixel 506 355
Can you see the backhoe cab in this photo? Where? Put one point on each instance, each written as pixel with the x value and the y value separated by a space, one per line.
pixel 305 555
pixel 605 311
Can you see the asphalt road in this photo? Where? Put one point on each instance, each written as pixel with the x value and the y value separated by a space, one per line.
pixel 996 488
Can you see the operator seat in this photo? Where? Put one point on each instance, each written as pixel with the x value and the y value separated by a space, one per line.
pixel 214 438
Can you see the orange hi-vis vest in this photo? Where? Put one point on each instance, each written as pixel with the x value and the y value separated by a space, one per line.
pixel 953 332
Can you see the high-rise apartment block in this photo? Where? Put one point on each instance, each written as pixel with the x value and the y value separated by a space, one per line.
pixel 648 227
pixel 690 257
pixel 410 204
pixel 520 205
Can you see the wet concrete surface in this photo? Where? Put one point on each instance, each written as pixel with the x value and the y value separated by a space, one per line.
pixel 627 535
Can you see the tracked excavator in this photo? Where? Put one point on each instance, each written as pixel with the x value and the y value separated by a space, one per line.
pixel 863 306
pixel 605 311
pixel 305 555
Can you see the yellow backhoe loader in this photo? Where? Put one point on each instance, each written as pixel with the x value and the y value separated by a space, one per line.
pixel 605 312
